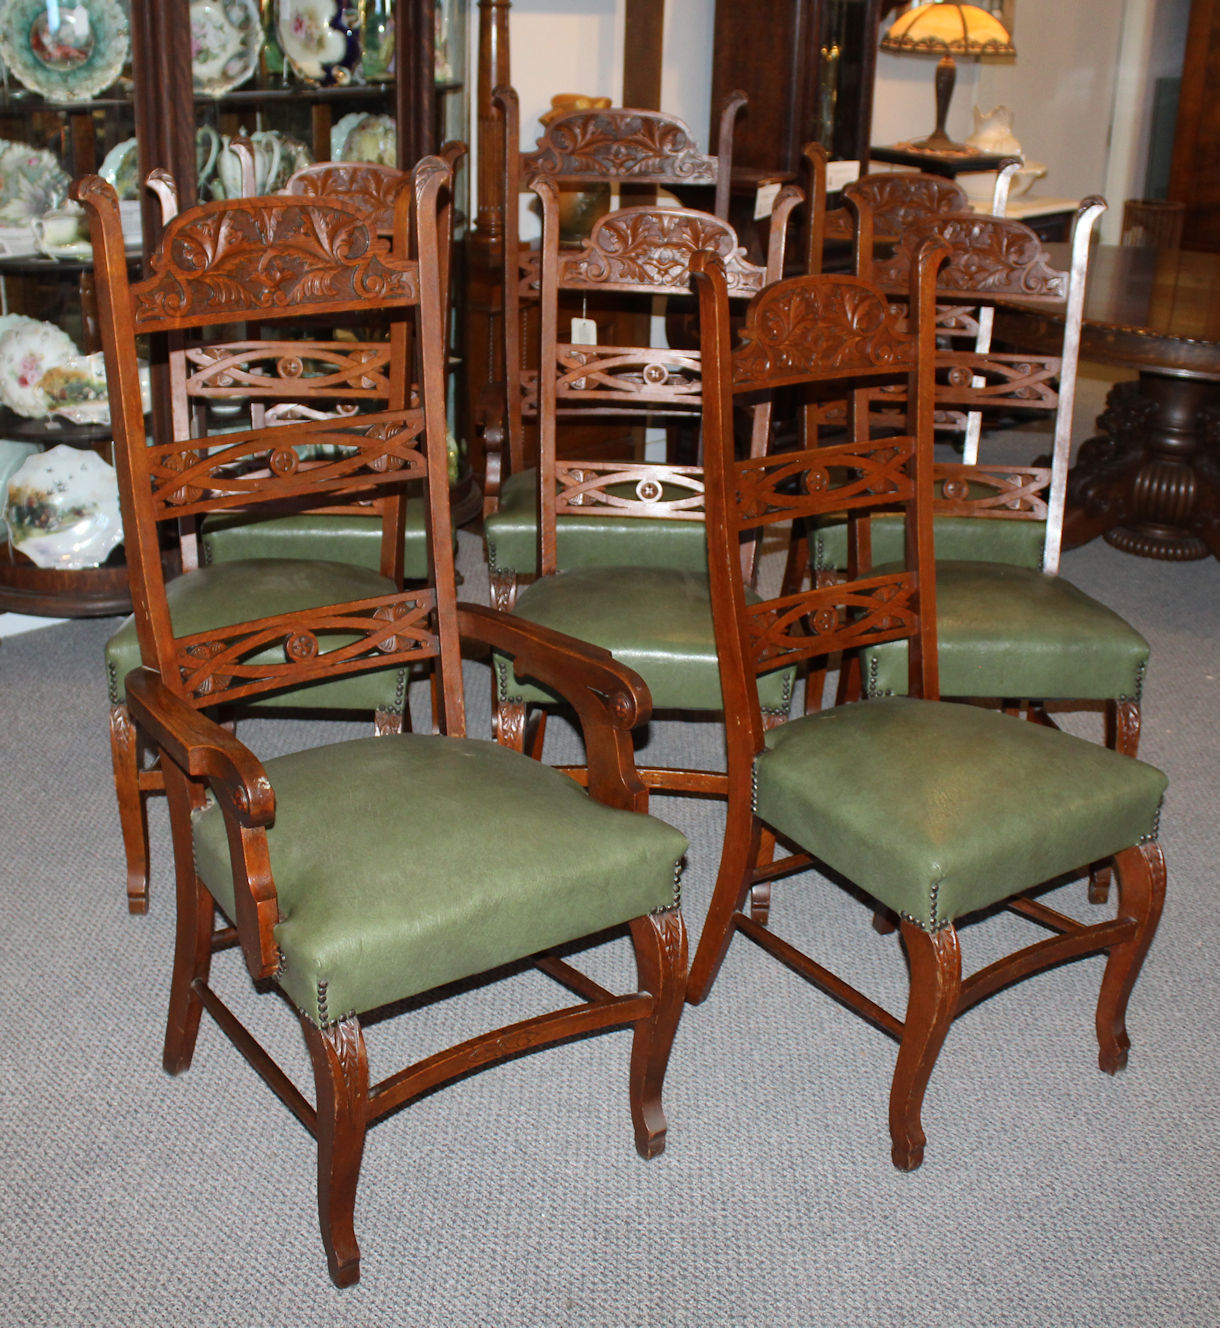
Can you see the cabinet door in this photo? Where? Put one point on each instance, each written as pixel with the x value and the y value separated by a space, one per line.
pixel 808 68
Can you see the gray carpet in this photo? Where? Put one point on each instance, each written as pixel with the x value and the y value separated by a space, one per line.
pixel 1051 1194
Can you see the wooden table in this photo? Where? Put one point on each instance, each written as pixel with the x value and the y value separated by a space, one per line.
pixel 1149 483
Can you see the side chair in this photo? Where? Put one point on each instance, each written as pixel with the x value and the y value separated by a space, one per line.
pixel 941 813
pixel 645 150
pixel 614 552
pixel 354 876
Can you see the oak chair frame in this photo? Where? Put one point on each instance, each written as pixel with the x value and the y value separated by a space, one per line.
pixel 857 341
pixel 286 257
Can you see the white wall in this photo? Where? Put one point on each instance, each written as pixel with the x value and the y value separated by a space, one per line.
pixel 1080 86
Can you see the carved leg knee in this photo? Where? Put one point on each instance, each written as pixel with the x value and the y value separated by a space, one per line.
pixel 936 983
pixel 341 1075
pixel 660 948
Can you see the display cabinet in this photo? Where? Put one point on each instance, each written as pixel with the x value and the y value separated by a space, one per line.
pixel 190 72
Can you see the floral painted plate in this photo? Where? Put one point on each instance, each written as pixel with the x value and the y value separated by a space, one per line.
pixel 75 59
pixel 32 182
pixel 26 354
pixel 121 168
pixel 226 37
pixel 371 138
pixel 63 508
pixel 316 40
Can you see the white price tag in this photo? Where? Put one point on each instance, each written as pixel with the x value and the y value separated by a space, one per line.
pixel 764 200
pixel 584 332
pixel 839 173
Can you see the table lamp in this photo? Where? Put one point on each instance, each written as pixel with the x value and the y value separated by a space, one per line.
pixel 946 29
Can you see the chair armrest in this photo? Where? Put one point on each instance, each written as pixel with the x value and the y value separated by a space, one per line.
pixel 203 750
pixel 609 698
pixel 200 747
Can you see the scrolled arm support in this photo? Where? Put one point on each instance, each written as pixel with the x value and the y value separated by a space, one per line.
pixel 609 699
pixel 202 750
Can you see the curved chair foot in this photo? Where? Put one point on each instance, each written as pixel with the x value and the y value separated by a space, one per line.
pixel 341 1074
pixel 133 818
pixel 660 950
pixel 936 982
pixel 1141 896
pixel 760 902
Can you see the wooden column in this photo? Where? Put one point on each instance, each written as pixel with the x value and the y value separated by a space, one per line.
pixel 484 311
pixel 643 43
pixel 414 84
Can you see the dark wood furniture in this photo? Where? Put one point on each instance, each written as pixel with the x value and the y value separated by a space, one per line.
pixel 365 874
pixel 613 551
pixel 1194 178
pixel 941 812
pixel 949 164
pixel 1149 482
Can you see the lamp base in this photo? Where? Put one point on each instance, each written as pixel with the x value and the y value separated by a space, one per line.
pixel 941 143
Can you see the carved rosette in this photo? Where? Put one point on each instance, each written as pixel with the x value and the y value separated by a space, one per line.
pixel 268 253
pixel 281 368
pixel 831 325
pixel 830 618
pixel 837 479
pixel 230 663
pixel 613 372
pixel 652 247
pixel 1017 492
pixel 989 254
pixel 364 452
pixel 646 490
pixel 616 142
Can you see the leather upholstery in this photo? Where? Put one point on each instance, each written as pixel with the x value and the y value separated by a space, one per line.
pixel 965 538
pixel 939 852
pixel 1012 632
pixel 336 537
pixel 585 541
pixel 517 857
pixel 260 588
pixel 656 620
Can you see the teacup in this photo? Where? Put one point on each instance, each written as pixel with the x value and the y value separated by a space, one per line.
pixel 62 233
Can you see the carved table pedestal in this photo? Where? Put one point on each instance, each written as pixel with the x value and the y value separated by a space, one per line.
pixel 1149 483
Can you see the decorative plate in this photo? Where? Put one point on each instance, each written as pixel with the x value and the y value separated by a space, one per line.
pixel 316 40
pixel 372 138
pixel 12 454
pixel 226 37
pixel 63 508
pixel 121 168
pixel 26 353
pixel 73 61
pixel 31 182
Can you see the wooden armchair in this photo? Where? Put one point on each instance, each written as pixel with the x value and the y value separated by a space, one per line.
pixel 354 876
pixel 941 813
pixel 615 551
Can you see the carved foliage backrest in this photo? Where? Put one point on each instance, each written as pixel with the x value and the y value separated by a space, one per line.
pixel 371 189
pixel 989 257
pixel 275 262
pixel 834 335
pixel 898 199
pixel 648 250
pixel 617 142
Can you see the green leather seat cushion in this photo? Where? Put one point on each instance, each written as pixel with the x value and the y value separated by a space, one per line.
pixel 338 537
pixel 966 538
pixel 259 588
pixel 938 809
pixel 584 541
pixel 656 620
pixel 1012 632
pixel 405 862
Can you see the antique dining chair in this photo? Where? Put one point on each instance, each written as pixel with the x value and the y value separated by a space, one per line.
pixel 355 875
pixel 941 813
pixel 619 547
pixel 1011 627
pixel 644 150
pixel 265 381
